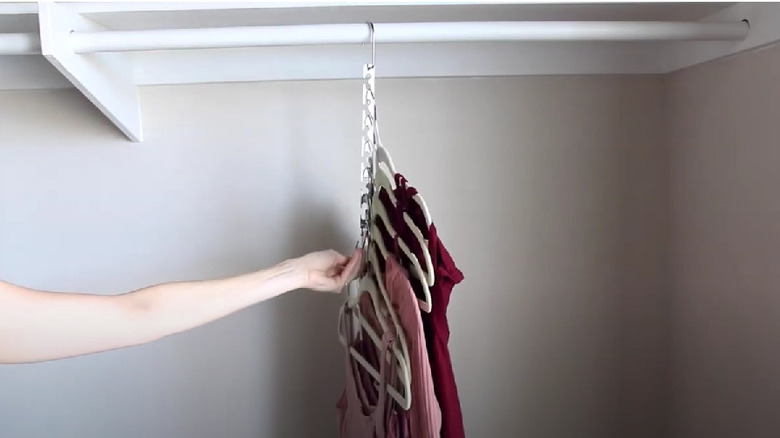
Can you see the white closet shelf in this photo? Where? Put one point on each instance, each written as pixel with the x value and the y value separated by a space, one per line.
pixel 107 50
pixel 352 33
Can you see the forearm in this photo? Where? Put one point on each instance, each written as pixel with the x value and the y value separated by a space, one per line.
pixel 36 326
pixel 176 307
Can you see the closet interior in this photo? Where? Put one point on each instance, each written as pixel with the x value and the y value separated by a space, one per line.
pixel 602 175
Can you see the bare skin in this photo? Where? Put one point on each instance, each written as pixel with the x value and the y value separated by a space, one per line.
pixel 39 326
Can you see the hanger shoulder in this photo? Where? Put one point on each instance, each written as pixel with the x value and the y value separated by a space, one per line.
pixel 383 156
pixel 417 271
pixel 430 274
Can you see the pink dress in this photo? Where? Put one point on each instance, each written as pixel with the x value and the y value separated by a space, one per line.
pixel 365 409
pixel 358 417
pixel 425 415
pixel 398 420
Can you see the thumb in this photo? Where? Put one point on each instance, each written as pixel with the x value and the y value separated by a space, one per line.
pixel 352 268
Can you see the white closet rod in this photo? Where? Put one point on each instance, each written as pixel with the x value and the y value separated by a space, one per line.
pixel 319 34
pixel 19 44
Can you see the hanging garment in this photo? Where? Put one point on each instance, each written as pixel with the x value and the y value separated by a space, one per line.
pixel 409 204
pixel 358 417
pixel 392 244
pixel 437 330
pixel 437 335
pixel 425 414
pixel 398 419
pixel 395 213
pixel 369 351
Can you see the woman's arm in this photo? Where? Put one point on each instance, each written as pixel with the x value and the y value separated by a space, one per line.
pixel 37 326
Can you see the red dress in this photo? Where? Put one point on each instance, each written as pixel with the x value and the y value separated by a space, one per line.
pixel 435 324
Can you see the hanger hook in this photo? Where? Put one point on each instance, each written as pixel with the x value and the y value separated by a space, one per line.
pixel 373 42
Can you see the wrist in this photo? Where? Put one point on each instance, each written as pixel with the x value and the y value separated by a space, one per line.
pixel 273 281
pixel 292 274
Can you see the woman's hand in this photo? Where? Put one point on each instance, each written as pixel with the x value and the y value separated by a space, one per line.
pixel 328 271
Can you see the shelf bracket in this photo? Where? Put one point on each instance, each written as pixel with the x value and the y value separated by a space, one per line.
pixel 104 78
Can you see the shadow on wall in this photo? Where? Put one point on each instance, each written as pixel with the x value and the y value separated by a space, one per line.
pixel 307 354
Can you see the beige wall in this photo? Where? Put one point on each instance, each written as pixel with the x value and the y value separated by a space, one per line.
pixel 551 193
pixel 724 132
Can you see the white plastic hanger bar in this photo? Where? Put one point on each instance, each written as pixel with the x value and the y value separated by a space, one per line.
pixel 358 33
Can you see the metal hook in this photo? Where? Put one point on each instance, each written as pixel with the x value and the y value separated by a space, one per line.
pixel 372 36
